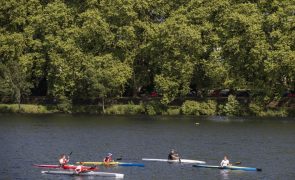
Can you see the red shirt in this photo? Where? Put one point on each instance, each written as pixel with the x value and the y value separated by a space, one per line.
pixel 107 159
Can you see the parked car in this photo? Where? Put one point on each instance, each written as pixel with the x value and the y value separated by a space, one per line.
pixel 215 93
pixel 219 93
pixel 154 94
pixel 243 93
pixel 289 94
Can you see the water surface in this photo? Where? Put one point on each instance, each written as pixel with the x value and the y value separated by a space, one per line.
pixel 39 139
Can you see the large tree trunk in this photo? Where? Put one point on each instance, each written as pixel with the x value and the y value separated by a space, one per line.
pixel 103 109
pixel 18 97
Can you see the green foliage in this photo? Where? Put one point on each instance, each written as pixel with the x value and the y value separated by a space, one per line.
pixel 199 108
pixel 208 108
pixel 25 108
pixel 107 75
pixel 231 108
pixel 104 48
pixel 173 111
pixel 89 109
pixel 125 109
pixel 154 108
pixel 258 109
pixel 190 108
pixel 150 110
pixel 64 104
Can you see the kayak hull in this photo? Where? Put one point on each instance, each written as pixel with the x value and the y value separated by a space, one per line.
pixel 175 161
pixel 70 167
pixel 227 167
pixel 90 173
pixel 111 164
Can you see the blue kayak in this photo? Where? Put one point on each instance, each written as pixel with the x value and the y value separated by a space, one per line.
pixel 130 164
pixel 227 167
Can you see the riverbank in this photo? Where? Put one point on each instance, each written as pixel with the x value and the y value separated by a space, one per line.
pixel 230 107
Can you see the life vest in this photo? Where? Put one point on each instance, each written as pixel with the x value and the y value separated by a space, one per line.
pixel 63 161
pixel 107 159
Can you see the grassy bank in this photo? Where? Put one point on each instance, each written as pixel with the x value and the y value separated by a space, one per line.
pixel 231 107
pixel 26 108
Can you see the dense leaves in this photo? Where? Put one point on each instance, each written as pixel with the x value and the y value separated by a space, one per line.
pixel 107 48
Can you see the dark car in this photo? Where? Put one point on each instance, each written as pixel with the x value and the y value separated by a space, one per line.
pixel 243 93
pixel 219 93
pixel 289 94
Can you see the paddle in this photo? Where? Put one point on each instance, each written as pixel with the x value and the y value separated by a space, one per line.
pixel 179 159
pixel 69 155
pixel 236 163
pixel 119 159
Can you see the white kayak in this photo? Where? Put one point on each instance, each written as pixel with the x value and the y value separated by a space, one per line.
pixel 176 161
pixel 88 173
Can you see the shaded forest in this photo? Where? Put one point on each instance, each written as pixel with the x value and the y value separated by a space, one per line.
pixel 69 49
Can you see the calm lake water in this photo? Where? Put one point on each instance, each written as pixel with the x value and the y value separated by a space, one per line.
pixel 39 139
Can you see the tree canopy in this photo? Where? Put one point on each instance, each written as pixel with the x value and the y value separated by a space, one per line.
pixel 106 48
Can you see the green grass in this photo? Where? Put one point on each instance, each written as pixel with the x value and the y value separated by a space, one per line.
pixel 188 108
pixel 122 109
pixel 25 108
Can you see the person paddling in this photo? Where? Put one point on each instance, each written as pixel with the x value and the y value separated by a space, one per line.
pixel 173 155
pixel 225 162
pixel 108 158
pixel 63 160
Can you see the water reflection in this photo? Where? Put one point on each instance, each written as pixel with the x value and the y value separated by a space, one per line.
pixel 224 174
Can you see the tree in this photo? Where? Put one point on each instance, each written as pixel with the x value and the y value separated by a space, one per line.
pixel 176 49
pixel 13 66
pixel 107 76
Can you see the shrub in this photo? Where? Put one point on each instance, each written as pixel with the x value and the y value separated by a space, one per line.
pixel 190 108
pixel 231 108
pixel 155 107
pixel 122 109
pixel 208 108
pixel 25 108
pixel 92 109
pixel 197 108
pixel 64 105
pixel 173 111
pixel 258 109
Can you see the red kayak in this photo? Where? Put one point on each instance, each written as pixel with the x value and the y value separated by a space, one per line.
pixel 71 167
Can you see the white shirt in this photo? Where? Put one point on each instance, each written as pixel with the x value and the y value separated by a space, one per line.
pixel 224 163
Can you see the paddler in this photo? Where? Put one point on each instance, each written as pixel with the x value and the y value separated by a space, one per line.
pixel 63 160
pixel 173 155
pixel 108 158
pixel 225 162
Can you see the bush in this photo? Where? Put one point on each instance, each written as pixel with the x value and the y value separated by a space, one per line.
pixel 25 108
pixel 64 105
pixel 92 109
pixel 155 107
pixel 208 108
pixel 150 110
pixel 122 109
pixel 231 108
pixel 173 111
pixel 190 108
pixel 258 109
pixel 197 108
